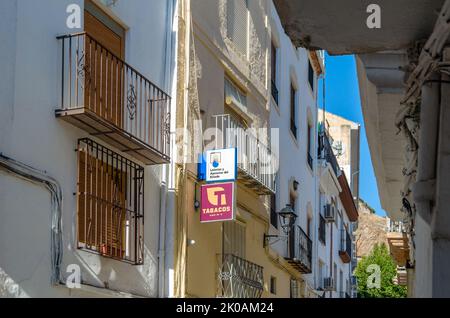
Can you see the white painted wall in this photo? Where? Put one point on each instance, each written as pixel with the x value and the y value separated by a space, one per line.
pixel 293 63
pixel 30 133
pixel 329 253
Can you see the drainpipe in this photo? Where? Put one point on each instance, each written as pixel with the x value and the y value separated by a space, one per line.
pixel 316 183
pixel 331 257
pixel 425 187
pixel 162 234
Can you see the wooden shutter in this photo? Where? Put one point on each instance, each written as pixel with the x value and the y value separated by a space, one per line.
pixel 237 23
pixel 104 52
pixel 101 206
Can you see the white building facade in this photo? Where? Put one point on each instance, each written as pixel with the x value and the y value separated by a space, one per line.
pixel 337 215
pixel 85 147
pixel 294 81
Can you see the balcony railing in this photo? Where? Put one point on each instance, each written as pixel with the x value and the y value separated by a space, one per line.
pixel 345 248
pixel 328 284
pixel 105 96
pixel 300 251
pixel 256 162
pixel 343 294
pixel 275 93
pixel 322 229
pixel 326 153
pixel 239 278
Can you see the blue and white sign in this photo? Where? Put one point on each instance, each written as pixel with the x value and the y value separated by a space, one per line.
pixel 221 165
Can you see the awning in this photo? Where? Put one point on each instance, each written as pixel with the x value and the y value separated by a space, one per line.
pixel 347 199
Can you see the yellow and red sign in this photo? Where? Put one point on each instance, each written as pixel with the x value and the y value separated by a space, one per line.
pixel 217 202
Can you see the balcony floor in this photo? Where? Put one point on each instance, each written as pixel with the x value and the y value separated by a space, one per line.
pixel 97 126
pixel 254 184
pixel 299 266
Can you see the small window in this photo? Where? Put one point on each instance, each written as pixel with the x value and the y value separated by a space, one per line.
pixel 311 76
pixel 273 211
pixel 235 93
pixel 321 273
pixel 293 111
pixel 309 147
pixel 273 285
pixel 274 70
pixel 322 229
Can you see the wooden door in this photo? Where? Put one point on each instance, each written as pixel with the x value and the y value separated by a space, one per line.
pixel 101 206
pixel 104 53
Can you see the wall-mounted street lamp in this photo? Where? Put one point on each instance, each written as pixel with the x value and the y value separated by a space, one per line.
pixel 287 221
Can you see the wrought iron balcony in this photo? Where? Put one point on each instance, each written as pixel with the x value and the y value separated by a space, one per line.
pixel 103 95
pixel 326 153
pixel 256 162
pixel 300 251
pixel 345 248
pixel 328 284
pixel 344 294
pixel 239 278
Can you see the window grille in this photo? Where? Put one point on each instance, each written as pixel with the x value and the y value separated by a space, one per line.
pixel 110 203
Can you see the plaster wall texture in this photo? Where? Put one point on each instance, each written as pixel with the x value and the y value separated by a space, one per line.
pixel 30 133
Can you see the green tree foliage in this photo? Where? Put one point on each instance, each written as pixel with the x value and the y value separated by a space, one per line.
pixel 366 275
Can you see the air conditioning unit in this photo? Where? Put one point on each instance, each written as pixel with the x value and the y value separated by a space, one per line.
pixel 329 213
pixel 328 284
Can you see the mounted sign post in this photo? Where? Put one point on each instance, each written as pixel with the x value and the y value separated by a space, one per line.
pixel 221 165
pixel 217 202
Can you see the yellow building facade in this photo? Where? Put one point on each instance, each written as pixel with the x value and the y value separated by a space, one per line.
pixel 223 83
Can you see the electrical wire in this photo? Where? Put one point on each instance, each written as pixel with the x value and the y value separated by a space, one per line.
pixel 38 177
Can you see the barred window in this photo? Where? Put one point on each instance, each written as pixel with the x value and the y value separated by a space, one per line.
pixel 237 23
pixel 110 203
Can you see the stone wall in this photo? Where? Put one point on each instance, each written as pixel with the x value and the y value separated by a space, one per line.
pixel 371 230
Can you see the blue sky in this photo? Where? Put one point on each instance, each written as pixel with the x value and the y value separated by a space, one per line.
pixel 342 98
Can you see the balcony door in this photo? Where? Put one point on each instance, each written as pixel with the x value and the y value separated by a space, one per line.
pixel 104 53
pixel 234 240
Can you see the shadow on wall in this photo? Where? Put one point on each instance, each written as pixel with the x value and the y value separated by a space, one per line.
pixel 25 257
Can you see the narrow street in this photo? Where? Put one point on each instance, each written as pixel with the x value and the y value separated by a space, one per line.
pixel 225 150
